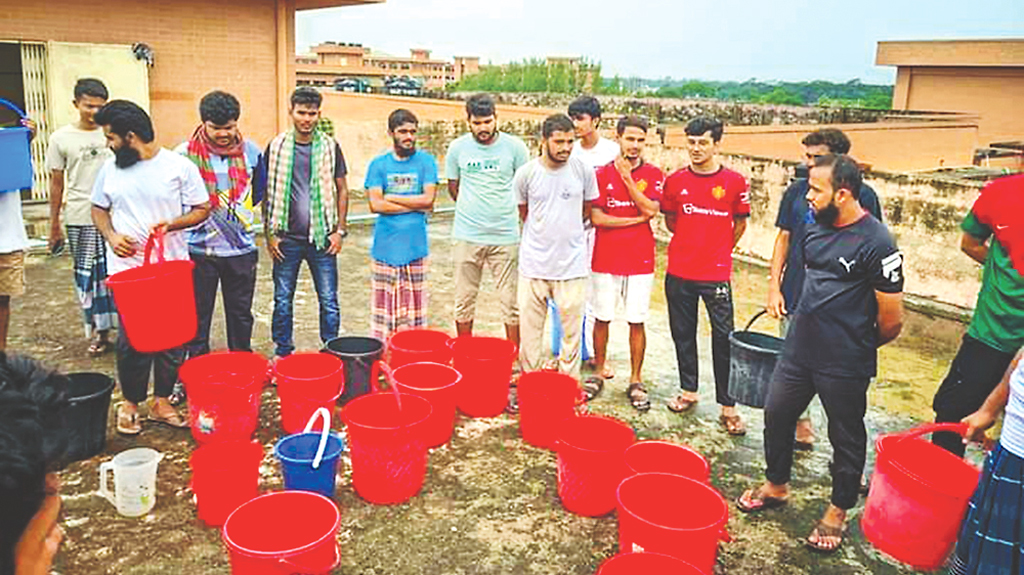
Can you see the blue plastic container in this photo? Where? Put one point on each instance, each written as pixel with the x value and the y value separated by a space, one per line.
pixel 309 460
pixel 15 155
pixel 556 333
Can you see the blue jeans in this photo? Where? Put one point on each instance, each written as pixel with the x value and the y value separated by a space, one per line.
pixel 324 269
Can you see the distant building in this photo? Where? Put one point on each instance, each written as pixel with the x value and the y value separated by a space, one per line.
pixel 331 62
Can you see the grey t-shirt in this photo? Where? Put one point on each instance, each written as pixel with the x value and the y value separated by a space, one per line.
pixel 298 208
pixel 554 244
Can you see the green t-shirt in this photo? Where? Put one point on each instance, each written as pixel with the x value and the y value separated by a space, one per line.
pixel 999 315
pixel 486 211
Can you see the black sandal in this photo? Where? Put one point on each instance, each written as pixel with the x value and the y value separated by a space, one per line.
pixel 637 395
pixel 592 387
pixel 759 502
pixel 825 531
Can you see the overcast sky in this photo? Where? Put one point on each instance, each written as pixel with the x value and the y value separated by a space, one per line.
pixel 710 39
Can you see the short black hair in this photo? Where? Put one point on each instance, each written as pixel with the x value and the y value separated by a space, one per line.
pixel 90 87
pixel 556 123
pixel 833 138
pixel 219 108
pixel 399 117
pixel 588 105
pixel 845 172
pixel 33 401
pixel 122 117
pixel 704 124
pixel 306 96
pixel 480 106
pixel 632 121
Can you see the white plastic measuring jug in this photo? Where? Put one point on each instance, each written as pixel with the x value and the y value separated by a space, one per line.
pixel 134 481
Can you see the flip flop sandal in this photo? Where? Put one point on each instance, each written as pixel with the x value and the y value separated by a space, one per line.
pixel 172 420
pixel 637 395
pixel 592 387
pixel 128 424
pixel 98 348
pixel 733 425
pixel 513 401
pixel 825 531
pixel 803 445
pixel 607 373
pixel 767 502
pixel 680 404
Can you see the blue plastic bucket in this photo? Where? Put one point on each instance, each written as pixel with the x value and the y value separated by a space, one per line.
pixel 15 155
pixel 309 460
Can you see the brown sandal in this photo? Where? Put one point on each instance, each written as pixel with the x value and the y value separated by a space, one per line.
pixel 128 423
pixel 823 530
pixel 733 425
pixel 757 501
pixel 680 404
pixel 172 419
pixel 637 395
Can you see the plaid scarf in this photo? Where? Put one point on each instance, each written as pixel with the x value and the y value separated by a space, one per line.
pixel 323 209
pixel 199 149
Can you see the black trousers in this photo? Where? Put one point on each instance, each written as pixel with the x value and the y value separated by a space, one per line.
pixel 237 278
pixel 976 370
pixel 682 296
pixel 845 401
pixel 133 369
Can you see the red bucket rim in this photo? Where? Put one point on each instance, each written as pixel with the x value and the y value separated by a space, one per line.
pixel 895 438
pixel 641 477
pixel 147 272
pixel 403 334
pixel 627 557
pixel 382 396
pixel 236 548
pixel 330 358
pixel 433 365
pixel 462 340
pixel 661 442
pixel 591 417
pixel 200 361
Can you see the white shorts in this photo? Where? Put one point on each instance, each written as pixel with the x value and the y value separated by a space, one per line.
pixel 631 293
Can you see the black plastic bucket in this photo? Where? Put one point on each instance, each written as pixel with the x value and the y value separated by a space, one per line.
pixel 85 422
pixel 752 359
pixel 358 354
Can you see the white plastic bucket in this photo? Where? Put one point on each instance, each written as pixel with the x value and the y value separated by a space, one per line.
pixel 134 481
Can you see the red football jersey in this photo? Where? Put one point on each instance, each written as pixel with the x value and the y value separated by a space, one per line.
pixel 629 250
pixel 705 206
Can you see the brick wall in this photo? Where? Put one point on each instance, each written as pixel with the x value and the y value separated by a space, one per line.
pixel 199 46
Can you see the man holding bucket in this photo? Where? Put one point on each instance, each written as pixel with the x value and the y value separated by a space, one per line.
pixel 141 190
pixel 852 304
pixel 13 243
pixel 400 186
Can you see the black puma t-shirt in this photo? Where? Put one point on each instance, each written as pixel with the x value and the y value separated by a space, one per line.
pixel 835 329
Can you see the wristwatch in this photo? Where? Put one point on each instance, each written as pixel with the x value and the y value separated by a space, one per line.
pixel 343 233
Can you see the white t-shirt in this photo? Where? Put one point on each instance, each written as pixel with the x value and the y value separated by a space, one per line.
pixel 12 227
pixel 602 154
pixel 1012 435
pixel 148 193
pixel 80 154
pixel 554 244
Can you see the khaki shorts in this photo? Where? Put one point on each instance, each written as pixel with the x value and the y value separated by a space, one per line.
pixel 12 273
pixel 469 260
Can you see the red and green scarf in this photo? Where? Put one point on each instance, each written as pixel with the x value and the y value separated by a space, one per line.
pixel 201 147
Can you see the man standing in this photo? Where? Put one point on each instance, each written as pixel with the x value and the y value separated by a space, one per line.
pixel 144 189
pixel 852 304
pixel 74 157
pixel 401 185
pixel 787 264
pixel 13 243
pixel 555 193
pixel 480 166
pixel 706 207
pixel 991 236
pixel 304 211
pixel 623 262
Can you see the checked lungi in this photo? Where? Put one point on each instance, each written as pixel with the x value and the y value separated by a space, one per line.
pixel 398 297
pixel 90 266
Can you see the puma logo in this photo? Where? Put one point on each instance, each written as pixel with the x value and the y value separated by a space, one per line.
pixel 846 264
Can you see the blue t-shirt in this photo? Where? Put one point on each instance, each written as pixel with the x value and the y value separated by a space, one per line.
pixel 399 239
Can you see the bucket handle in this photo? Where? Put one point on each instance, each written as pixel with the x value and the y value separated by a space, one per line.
pixel 14 107
pixel 325 415
pixel 755 318
pixel 155 243
pixel 106 468
pixel 308 569
pixel 959 428
pixel 378 367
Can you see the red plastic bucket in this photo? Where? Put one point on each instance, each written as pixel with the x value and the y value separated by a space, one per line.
pixel 284 533
pixel 671 514
pixel 306 382
pixel 417 345
pixel 387 447
pixel 647 564
pixel 156 301
pixel 591 464
pixel 666 457
pixel 224 476
pixel 224 392
pixel 433 382
pixel 546 400
pixel 918 497
pixel 486 367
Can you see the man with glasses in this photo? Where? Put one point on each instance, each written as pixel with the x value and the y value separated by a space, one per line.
pixel 787 265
